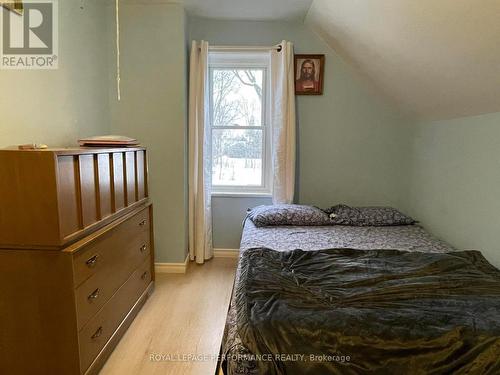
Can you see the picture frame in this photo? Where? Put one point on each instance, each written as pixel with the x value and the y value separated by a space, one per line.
pixel 309 74
pixel 15 6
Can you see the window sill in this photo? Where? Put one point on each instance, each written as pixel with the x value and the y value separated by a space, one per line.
pixel 240 195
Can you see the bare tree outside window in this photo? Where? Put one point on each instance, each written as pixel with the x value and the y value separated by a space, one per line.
pixel 237 128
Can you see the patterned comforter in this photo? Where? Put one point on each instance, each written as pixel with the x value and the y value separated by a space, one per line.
pixel 282 238
pixel 237 358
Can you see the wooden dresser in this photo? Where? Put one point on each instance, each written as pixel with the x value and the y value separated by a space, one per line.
pixel 76 256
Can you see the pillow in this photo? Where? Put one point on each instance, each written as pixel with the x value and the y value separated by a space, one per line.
pixel 287 214
pixel 367 216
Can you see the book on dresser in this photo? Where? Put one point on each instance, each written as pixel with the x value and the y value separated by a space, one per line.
pixel 76 255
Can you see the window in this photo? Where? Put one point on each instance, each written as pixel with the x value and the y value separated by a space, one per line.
pixel 239 119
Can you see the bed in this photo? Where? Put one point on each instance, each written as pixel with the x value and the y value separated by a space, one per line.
pixel 269 338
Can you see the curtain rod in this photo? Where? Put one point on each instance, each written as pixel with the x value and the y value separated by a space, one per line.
pixel 244 48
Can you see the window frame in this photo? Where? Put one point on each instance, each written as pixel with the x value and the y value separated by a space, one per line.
pixel 245 60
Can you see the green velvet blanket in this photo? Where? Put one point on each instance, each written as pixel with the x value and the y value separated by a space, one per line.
pixel 345 311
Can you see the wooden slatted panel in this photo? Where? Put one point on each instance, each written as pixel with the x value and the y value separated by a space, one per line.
pixel 69 205
pixel 146 174
pixel 141 175
pixel 118 182
pixel 104 183
pixel 88 190
pixel 130 177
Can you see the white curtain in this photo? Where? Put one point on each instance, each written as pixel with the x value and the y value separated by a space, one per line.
pixel 283 122
pixel 200 213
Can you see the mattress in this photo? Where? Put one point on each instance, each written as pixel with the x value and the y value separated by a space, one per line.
pixel 309 238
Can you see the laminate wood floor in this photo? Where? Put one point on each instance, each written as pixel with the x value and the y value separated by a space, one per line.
pixel 184 317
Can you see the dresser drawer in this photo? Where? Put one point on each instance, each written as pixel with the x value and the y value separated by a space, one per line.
pixel 108 249
pixel 96 291
pixel 114 263
pixel 101 327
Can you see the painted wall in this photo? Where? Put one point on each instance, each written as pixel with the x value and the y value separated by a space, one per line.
pixel 228 214
pixel 455 181
pixel 153 109
pixel 353 146
pixel 57 107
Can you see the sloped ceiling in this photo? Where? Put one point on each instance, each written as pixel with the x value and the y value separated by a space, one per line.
pixel 256 10
pixel 262 10
pixel 436 58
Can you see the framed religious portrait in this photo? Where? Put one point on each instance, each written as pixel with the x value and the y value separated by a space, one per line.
pixel 13 5
pixel 309 72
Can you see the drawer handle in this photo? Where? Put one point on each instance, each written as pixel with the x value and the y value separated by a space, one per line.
pixel 92 261
pixel 142 223
pixel 143 248
pixel 97 333
pixel 94 295
pixel 143 277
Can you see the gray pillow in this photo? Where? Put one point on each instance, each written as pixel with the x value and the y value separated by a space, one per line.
pixel 342 214
pixel 287 214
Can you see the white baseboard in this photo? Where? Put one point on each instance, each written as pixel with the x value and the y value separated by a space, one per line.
pixel 172 267
pixel 226 253
pixel 182 267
